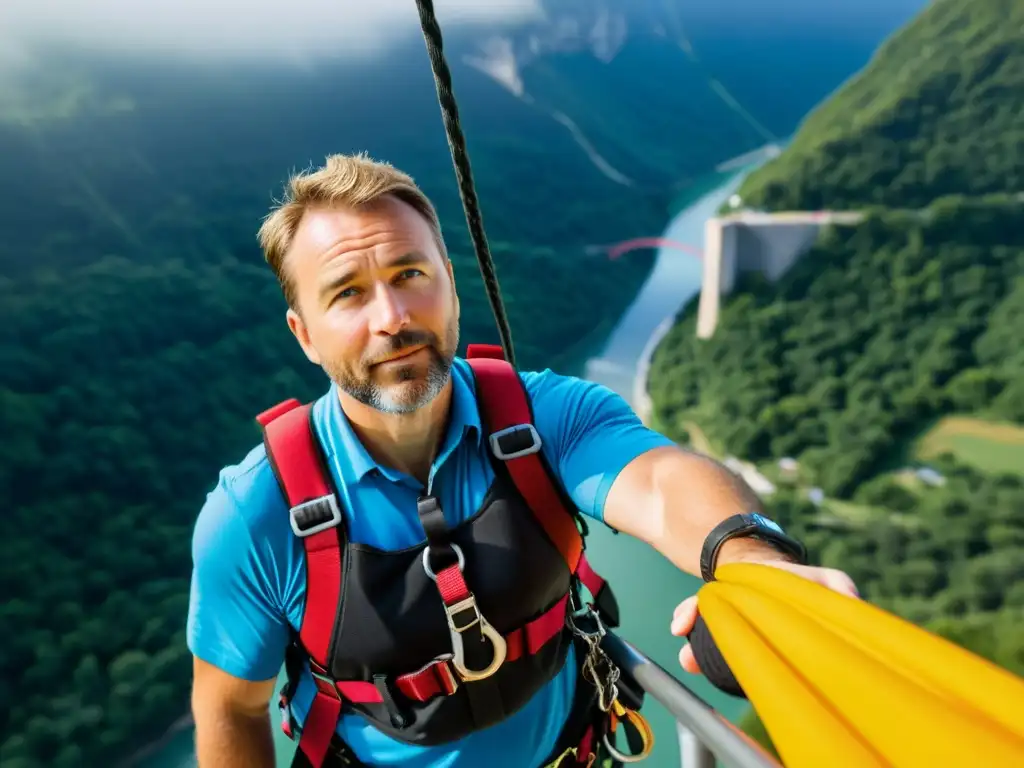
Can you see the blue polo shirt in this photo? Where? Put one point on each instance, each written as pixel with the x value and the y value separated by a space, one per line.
pixel 248 579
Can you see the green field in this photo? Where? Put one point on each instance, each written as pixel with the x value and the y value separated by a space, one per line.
pixel 990 446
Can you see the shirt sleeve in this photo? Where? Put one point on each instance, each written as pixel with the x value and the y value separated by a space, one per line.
pixel 235 619
pixel 590 435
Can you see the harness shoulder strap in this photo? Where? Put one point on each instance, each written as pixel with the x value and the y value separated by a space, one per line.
pixel 505 411
pixel 295 456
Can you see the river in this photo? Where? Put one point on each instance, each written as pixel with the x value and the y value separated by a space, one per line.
pixel 647 585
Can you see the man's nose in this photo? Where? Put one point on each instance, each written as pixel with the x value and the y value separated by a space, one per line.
pixel 390 313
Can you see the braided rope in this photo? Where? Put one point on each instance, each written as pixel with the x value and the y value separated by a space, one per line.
pixel 460 158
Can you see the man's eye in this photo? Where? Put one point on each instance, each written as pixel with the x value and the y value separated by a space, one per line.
pixel 406 274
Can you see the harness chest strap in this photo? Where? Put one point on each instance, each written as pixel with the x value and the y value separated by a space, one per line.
pixel 316 518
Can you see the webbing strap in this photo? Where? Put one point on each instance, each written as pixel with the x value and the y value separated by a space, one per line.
pixel 295 455
pixel 505 404
pixel 293 450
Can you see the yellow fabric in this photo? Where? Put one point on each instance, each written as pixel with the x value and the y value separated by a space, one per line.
pixel 841 683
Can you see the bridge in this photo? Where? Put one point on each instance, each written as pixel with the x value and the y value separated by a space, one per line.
pixel 754 241
pixel 744 241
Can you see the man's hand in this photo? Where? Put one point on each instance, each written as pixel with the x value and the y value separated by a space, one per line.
pixel 685 615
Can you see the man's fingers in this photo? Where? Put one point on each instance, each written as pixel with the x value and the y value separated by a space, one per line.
pixel 684 616
pixel 687 660
pixel 840 582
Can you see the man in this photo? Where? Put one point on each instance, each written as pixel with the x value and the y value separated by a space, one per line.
pixel 371 293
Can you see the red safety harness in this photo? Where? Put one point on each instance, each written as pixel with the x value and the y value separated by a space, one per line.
pixel 305 482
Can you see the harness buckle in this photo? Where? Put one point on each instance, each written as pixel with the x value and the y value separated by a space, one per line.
pixel 497 642
pixel 315 515
pixel 325 684
pixel 448 679
pixel 515 441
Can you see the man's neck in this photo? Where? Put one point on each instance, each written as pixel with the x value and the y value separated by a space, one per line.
pixel 407 442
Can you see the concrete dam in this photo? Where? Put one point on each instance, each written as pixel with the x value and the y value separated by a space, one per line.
pixel 749 241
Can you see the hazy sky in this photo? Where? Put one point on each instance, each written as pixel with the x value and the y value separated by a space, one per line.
pixel 236 28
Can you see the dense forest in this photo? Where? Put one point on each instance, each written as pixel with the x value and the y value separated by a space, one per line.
pixel 885 327
pixel 937 112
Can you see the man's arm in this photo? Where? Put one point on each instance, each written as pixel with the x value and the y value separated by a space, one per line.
pixel 641 483
pixel 232 719
pixel 237 630
pixel 671 498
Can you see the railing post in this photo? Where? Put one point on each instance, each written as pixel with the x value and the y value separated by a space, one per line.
pixel 711 731
pixel 693 754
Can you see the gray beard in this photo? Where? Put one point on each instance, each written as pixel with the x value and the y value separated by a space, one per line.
pixel 380 398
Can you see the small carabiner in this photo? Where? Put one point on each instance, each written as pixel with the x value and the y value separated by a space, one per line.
pixel 623 714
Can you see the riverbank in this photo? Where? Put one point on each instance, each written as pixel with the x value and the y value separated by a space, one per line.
pixel 624 363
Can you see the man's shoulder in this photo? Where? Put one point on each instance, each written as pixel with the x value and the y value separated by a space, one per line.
pixel 246 499
pixel 247 495
pixel 557 395
pixel 547 382
pixel 250 481
pixel 250 485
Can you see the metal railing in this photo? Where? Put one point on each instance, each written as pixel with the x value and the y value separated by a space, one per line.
pixel 704 734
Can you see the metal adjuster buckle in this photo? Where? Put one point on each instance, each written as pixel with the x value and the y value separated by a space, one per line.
pixel 514 435
pixel 497 642
pixel 469 604
pixel 313 510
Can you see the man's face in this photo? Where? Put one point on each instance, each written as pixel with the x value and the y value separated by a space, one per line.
pixel 377 304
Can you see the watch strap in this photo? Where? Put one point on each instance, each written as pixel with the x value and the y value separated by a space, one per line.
pixel 747 525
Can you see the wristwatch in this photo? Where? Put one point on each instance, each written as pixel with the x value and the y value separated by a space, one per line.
pixel 753 525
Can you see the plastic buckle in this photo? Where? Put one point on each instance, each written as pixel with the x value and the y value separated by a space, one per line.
pixel 307 518
pixel 514 438
pixel 448 679
pixel 329 687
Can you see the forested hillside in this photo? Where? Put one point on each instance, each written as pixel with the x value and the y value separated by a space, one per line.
pixel 877 330
pixel 938 112
pixel 883 330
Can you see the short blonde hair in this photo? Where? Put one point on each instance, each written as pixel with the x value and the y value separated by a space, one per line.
pixel 344 180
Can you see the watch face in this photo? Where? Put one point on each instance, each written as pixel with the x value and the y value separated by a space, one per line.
pixel 766 523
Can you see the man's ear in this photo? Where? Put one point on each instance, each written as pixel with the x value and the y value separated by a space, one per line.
pixel 301 333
